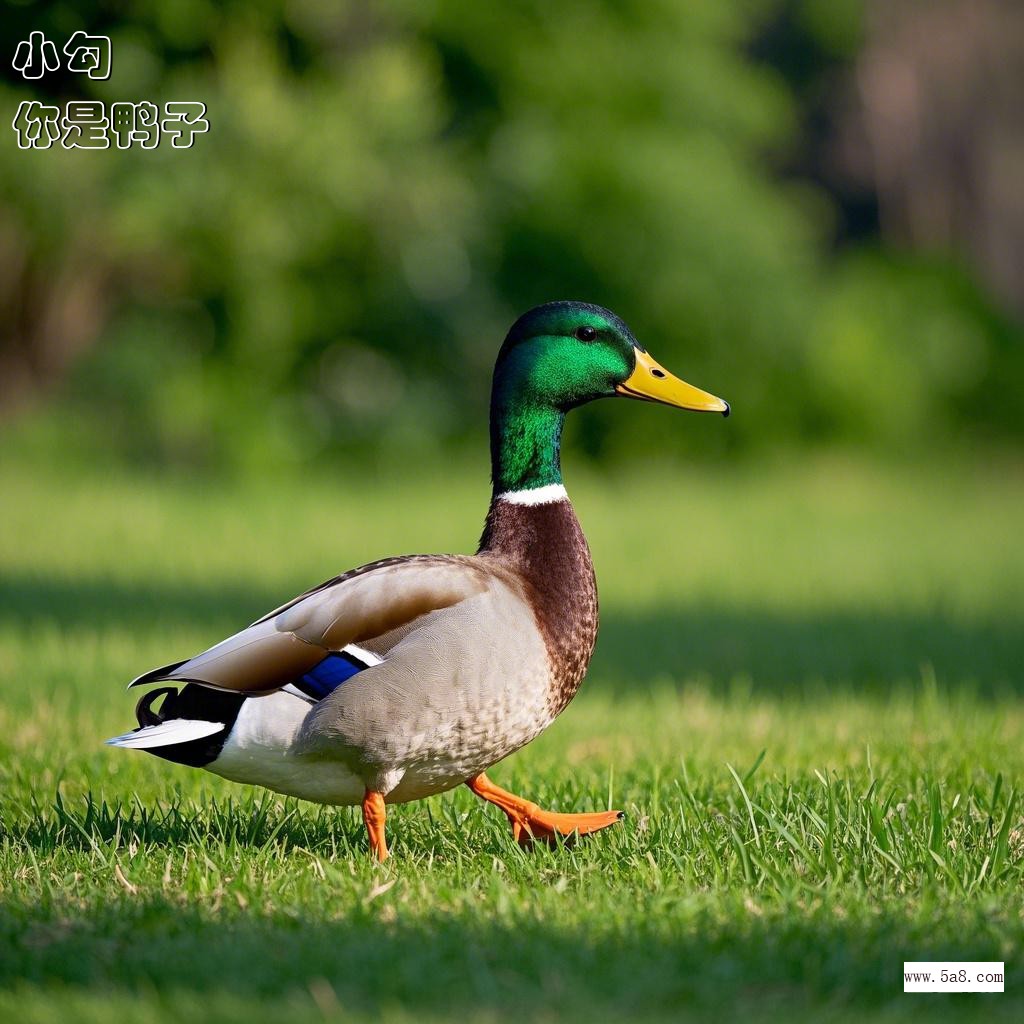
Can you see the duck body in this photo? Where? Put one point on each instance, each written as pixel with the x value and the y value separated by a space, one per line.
pixel 408 676
pixel 422 709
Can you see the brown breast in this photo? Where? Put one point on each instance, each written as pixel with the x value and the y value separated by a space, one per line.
pixel 545 547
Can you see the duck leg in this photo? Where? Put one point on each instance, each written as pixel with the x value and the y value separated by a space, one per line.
pixel 374 815
pixel 529 822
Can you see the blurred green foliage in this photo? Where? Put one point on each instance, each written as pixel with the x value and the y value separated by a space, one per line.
pixel 385 186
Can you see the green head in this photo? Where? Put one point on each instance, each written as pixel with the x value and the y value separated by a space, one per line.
pixel 558 356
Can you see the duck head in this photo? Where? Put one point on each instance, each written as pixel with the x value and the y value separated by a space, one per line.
pixel 566 353
pixel 558 356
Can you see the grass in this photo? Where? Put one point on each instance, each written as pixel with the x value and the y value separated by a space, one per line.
pixel 806 695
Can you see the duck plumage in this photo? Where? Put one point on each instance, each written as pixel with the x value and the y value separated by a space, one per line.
pixel 408 676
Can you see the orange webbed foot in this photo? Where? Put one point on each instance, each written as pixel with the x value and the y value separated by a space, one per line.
pixel 547 826
pixel 530 823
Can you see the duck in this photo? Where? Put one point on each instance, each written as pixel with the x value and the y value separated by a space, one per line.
pixel 411 675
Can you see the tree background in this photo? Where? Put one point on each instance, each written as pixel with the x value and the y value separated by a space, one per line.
pixel 812 208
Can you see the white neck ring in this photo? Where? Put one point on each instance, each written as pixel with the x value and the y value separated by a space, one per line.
pixel 536 495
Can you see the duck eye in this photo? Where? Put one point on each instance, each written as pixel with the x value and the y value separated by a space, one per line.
pixel 586 333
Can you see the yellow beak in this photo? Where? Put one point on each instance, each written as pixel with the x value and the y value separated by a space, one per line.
pixel 653 383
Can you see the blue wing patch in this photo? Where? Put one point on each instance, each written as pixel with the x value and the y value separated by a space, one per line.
pixel 329 674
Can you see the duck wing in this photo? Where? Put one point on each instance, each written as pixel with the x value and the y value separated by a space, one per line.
pixel 351 609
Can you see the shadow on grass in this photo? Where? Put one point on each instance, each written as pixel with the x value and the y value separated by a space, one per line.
pixel 658 962
pixel 776 652
pixel 780 654
pixel 253 822
pixel 104 604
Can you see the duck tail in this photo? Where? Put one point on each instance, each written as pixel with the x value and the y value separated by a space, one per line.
pixel 156 731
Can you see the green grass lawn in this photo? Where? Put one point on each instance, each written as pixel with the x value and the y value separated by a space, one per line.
pixel 807 695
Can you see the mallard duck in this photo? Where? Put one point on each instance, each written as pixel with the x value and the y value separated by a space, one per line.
pixel 412 675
